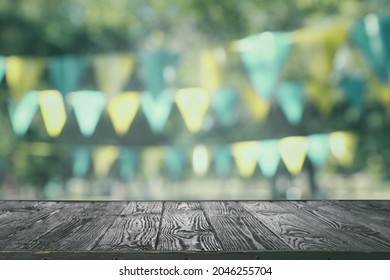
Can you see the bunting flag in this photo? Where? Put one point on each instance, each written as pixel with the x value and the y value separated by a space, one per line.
pixel 200 160
pixel 81 161
pixel 103 159
pixel 88 106
pixel 112 72
pixel 268 157
pixel 321 43
pixel 2 67
pixel 323 96
pixel 128 163
pixel 66 72
pixel 342 146
pixel 222 161
pixel 53 111
pixel 158 69
pixel 157 109
pixel 257 106
pixel 210 77
pixel 354 89
pixel 224 103
pixel 175 160
pixel 263 56
pixel 152 159
pixel 122 110
pixel 193 104
pixel 246 156
pixel 291 101
pixel 22 114
pixel 371 35
pixel 22 74
pixel 293 152
pixel 318 149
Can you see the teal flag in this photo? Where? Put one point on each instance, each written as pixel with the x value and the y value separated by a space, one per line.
pixel 157 109
pixel 66 72
pixel 175 160
pixel 263 56
pixel 128 159
pixel 223 161
pixel 291 101
pixel 2 67
pixel 269 157
pixel 81 161
pixel 22 114
pixel 318 149
pixel 224 103
pixel 354 89
pixel 158 70
pixel 372 37
pixel 88 106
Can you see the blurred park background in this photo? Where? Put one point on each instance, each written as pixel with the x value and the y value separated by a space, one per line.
pixel 197 99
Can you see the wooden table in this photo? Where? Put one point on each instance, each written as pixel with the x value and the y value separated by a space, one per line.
pixel 195 230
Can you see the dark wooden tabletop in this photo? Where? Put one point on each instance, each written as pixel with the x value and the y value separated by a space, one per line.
pixel 195 229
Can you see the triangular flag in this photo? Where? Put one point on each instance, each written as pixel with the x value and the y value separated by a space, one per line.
pixel 371 35
pixel 88 106
pixel 113 71
pixel 128 162
pixel 354 88
pixel 193 104
pixel 53 111
pixel 22 74
pixel 2 67
pixel 268 157
pixel 122 110
pixel 291 101
pixel 158 68
pixel 318 149
pixel 246 155
pixel 152 159
pixel 21 115
pixel 66 72
pixel 200 160
pixel 157 109
pixel 81 161
pixel 210 76
pixel 103 159
pixel 343 145
pixel 323 97
pixel 293 152
pixel 175 160
pixel 263 56
pixel 258 107
pixel 223 161
pixel 224 103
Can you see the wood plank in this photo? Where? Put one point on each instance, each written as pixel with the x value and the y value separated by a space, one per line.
pixel 184 227
pixel 135 229
pixel 94 224
pixel 17 222
pixel 355 234
pixel 237 230
pixel 293 230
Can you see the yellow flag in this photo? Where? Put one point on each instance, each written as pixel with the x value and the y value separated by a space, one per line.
pixel 210 70
pixel 246 155
pixel 152 160
pixel 258 107
pixel 122 110
pixel 324 97
pixel 193 104
pixel 53 111
pixel 112 71
pixel 22 74
pixel 103 159
pixel 343 146
pixel 200 160
pixel 293 152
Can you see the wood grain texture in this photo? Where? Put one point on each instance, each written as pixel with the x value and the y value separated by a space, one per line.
pixel 238 230
pixel 135 229
pixel 184 227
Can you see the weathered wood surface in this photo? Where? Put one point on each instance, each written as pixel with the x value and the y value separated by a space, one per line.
pixel 195 226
